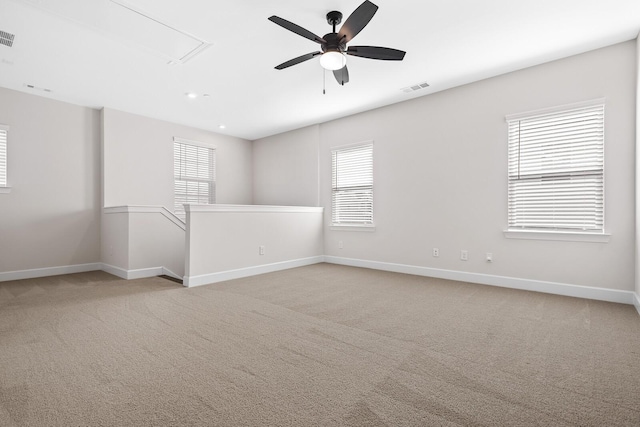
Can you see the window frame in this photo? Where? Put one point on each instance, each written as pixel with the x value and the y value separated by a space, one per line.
pixel 562 234
pixel 4 152
pixel 181 213
pixel 353 226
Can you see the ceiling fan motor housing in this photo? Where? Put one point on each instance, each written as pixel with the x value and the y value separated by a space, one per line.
pixel 333 43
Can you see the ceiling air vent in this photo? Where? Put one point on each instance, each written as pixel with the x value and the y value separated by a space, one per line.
pixel 415 87
pixel 41 89
pixel 6 38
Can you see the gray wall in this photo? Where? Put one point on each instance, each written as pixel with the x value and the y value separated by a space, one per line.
pixel 285 169
pixel 440 174
pixel 51 217
pixel 637 233
pixel 138 161
pixel 440 168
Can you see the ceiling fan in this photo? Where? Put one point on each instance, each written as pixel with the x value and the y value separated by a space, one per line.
pixel 334 45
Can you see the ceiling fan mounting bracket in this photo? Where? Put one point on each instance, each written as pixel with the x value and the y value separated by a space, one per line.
pixel 334 18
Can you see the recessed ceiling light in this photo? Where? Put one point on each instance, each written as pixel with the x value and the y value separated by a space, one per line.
pixel 191 95
pixel 221 127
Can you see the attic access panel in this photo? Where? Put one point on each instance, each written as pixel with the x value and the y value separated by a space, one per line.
pixel 121 21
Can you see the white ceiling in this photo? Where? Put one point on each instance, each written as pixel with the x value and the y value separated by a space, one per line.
pixel 97 53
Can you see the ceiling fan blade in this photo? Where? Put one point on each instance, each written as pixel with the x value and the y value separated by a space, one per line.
pixel 376 52
pixel 297 60
pixel 357 20
pixel 342 75
pixel 296 29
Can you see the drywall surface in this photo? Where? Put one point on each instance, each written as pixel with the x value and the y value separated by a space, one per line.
pixel 51 217
pixel 139 241
pixel 224 238
pixel 285 169
pixel 155 241
pixel 440 175
pixel 637 233
pixel 138 161
pixel 115 240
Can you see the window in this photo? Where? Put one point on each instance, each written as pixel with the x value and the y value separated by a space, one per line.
pixel 352 185
pixel 4 136
pixel 194 166
pixel 556 170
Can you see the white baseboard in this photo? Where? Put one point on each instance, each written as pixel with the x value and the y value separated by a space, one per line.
pixel 636 301
pixel 168 272
pixel 132 274
pixel 140 273
pixel 206 279
pixel 116 271
pixel 82 268
pixel 143 273
pixel 602 294
pixel 49 271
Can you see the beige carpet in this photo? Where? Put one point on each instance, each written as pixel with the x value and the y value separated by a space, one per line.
pixel 322 345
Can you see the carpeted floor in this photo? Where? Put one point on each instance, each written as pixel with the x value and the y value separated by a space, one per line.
pixel 323 345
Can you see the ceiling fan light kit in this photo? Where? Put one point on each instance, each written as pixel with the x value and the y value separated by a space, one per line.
pixel 333 60
pixel 334 45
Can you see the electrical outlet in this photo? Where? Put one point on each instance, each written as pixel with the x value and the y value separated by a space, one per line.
pixel 436 252
pixel 340 245
pixel 464 255
pixel 261 250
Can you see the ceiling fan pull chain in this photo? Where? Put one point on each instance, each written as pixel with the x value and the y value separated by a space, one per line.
pixel 324 81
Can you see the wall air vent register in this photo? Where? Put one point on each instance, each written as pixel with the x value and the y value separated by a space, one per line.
pixel 6 38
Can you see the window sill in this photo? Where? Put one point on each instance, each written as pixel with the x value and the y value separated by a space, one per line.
pixel 338 227
pixel 557 235
pixel 5 190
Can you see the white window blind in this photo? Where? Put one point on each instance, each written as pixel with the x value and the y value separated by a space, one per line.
pixel 352 185
pixel 194 168
pixel 4 131
pixel 556 171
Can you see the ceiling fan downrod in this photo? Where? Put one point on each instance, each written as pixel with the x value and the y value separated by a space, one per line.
pixel 334 18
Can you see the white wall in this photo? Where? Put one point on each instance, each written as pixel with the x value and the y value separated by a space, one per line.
pixel 51 218
pixel 156 241
pixel 440 165
pixel 142 241
pixel 138 161
pixel 115 240
pixel 637 233
pixel 223 241
pixel 285 168
pixel 137 156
